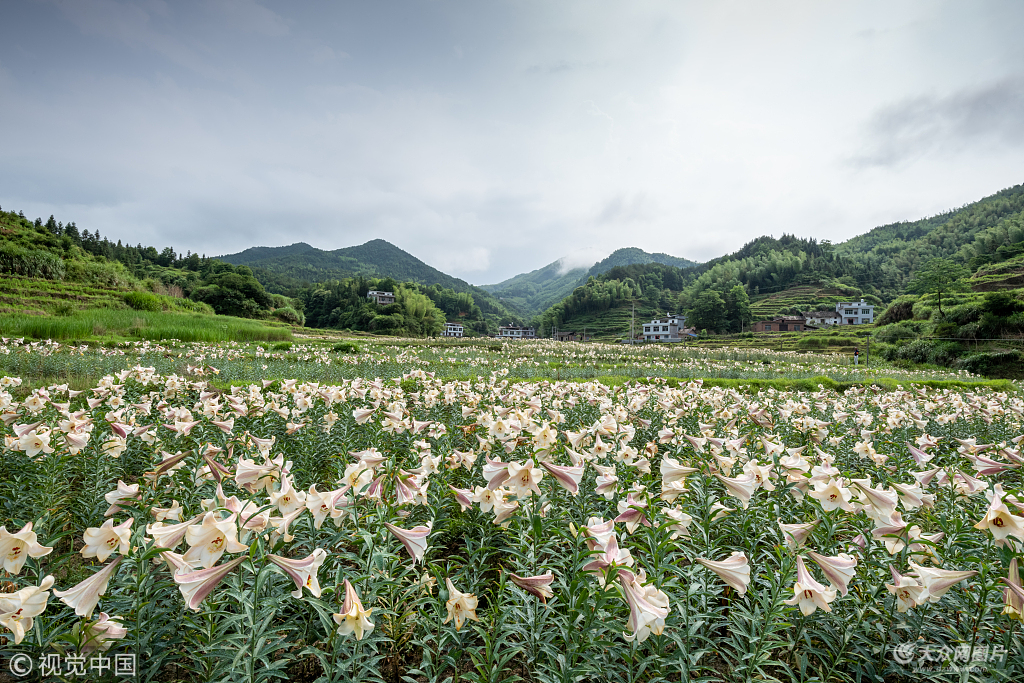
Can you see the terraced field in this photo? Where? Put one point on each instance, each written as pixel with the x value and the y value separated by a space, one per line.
pixel 804 298
pixel 42 297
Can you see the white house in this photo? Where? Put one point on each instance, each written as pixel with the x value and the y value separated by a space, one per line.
pixel 381 298
pixel 822 318
pixel 516 332
pixel 452 330
pixel 855 313
pixel 667 329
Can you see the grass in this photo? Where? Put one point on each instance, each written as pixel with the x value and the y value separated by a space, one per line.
pixel 152 325
pixel 34 296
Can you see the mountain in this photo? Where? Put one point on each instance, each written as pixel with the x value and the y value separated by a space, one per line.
pixel 787 275
pixel 631 256
pixel 376 258
pixel 533 292
pixel 287 269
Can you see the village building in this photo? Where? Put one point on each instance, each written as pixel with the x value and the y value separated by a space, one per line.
pixel 856 313
pixel 516 332
pixel 558 335
pixel 381 298
pixel 671 328
pixel 453 330
pixel 783 323
pixel 822 318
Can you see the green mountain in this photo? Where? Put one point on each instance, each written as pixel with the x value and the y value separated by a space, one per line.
pixel 376 258
pixel 631 256
pixel 790 274
pixel 62 282
pixel 288 270
pixel 533 292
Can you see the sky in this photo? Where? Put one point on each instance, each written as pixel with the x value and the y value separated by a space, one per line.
pixel 492 137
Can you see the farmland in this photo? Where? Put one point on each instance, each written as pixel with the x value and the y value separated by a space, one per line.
pixel 408 510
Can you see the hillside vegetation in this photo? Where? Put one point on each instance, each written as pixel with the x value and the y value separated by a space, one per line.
pixel 342 304
pixel 64 283
pixel 292 269
pixel 789 275
pixel 534 292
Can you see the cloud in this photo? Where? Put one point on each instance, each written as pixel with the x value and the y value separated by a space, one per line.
pixel 132 26
pixel 562 66
pixel 676 127
pixel 902 133
pixel 324 54
pixel 252 17
pixel 462 260
pixel 582 258
pixel 625 209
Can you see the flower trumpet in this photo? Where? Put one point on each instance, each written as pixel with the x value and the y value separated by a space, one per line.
pixel 735 571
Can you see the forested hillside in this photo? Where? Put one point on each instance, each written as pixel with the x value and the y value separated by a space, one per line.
pixel 629 256
pixel 534 292
pixel 292 269
pixel 64 253
pixel 971 235
pixel 342 304
pixel 791 274
pixel 418 310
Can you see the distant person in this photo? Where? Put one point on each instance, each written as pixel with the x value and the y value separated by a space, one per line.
pixel 856 356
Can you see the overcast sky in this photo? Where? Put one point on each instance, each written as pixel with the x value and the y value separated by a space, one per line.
pixel 490 138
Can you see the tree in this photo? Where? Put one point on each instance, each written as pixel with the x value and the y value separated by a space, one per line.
pixel 936 276
pixel 708 311
pixel 738 308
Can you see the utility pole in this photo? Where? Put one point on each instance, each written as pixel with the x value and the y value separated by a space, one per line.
pixel 631 322
pixel 867 355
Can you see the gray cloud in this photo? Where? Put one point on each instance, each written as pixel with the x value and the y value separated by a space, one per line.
pixel 904 132
pixel 494 138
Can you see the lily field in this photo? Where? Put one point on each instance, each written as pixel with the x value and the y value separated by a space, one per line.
pixel 400 510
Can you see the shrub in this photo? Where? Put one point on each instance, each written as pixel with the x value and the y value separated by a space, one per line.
pixel 289 315
pixel 345 347
pixel 190 306
pixel 925 351
pixel 1002 304
pixel 143 301
pixel 282 346
pixel 64 309
pixel 900 331
pixel 993 364
pixel 897 312
pixel 108 274
pixel 809 342
pixel 31 262
pixel 963 314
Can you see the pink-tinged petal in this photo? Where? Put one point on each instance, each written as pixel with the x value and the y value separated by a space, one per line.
pixel 302 571
pixel 734 570
pixel 839 570
pixel 463 496
pixel 1016 590
pixel 495 472
pixel 535 585
pixel 414 540
pixel 195 586
pixel 84 596
pixel 568 477
pixel 920 457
